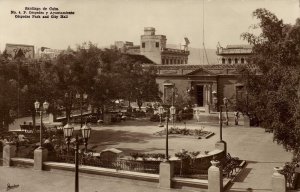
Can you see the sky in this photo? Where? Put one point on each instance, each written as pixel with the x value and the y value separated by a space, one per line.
pixel 105 21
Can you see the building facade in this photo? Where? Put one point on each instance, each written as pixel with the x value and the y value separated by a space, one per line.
pixel 234 54
pixel 154 47
pixel 203 86
pixel 47 53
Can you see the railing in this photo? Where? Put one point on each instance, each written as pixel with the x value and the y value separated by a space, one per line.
pixel 189 171
pixel 120 164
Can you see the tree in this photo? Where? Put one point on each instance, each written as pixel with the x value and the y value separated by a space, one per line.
pixel 274 95
pixel 8 96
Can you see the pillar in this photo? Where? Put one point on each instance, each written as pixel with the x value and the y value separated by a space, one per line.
pixel 215 178
pixel 278 181
pixel 207 106
pixel 246 121
pixel 40 156
pixel 9 151
pixel 52 118
pixel 166 172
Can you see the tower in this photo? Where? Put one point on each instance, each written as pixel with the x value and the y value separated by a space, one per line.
pixel 151 45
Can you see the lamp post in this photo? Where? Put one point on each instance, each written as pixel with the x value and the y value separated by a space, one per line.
pixel 41 110
pixel 86 132
pixel 225 101
pixel 173 112
pixel 81 97
pixel 167 138
pixel 68 97
pixel 160 112
pixel 221 122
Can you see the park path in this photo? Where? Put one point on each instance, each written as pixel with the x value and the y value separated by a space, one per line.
pixel 256 147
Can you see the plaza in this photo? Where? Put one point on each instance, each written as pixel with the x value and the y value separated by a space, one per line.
pixel 252 144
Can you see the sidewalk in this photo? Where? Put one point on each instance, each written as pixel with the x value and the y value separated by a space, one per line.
pixel 30 180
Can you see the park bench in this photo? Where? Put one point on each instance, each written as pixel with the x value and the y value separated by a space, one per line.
pixel 230 164
pixel 27 128
pixel 268 130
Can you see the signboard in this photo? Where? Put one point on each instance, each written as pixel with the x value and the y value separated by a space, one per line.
pixel 14 49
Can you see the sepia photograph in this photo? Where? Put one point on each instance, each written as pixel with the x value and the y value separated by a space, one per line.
pixel 150 95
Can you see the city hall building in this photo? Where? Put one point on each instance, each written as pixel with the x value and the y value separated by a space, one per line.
pixel 204 85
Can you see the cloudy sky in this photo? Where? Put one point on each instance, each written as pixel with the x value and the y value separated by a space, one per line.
pixel 105 21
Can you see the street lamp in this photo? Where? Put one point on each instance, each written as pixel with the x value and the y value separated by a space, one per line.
pixel 225 101
pixel 160 112
pixel 173 112
pixel 81 97
pixel 86 132
pixel 41 110
pixel 68 132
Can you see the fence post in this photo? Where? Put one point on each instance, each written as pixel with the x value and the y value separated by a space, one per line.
pixel 215 178
pixel 40 156
pixel 166 172
pixel 9 151
pixel 278 180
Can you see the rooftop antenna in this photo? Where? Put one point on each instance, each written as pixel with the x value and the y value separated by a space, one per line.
pixel 203 37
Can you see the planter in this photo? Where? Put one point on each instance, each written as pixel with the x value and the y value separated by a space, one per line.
pixel 278 170
pixel 214 163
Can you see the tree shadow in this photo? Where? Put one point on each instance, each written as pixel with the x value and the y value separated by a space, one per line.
pixel 114 137
pixel 243 175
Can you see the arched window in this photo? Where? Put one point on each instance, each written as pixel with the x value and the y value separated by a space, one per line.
pixel 229 61
pixel 236 60
pixel 243 60
pixel 223 61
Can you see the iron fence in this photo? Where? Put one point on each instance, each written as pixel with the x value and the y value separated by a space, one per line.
pixel 119 164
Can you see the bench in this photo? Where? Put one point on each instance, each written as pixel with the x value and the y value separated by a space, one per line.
pixel 230 164
pixel 268 130
pixel 27 128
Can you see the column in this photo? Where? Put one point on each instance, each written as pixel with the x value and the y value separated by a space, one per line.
pixel 40 156
pixel 9 151
pixel 215 178
pixel 166 172
pixel 207 107
pixel 278 180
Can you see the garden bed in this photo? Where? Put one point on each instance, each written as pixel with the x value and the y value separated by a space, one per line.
pixel 196 133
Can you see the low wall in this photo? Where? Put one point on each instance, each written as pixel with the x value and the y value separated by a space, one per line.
pixel 179 183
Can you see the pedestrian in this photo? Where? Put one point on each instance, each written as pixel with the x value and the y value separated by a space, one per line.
pixel 236 117
pixel 198 115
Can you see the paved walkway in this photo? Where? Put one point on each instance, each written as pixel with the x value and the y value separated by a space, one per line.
pixel 30 180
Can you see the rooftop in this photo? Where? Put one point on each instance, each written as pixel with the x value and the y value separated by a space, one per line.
pixel 235 49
